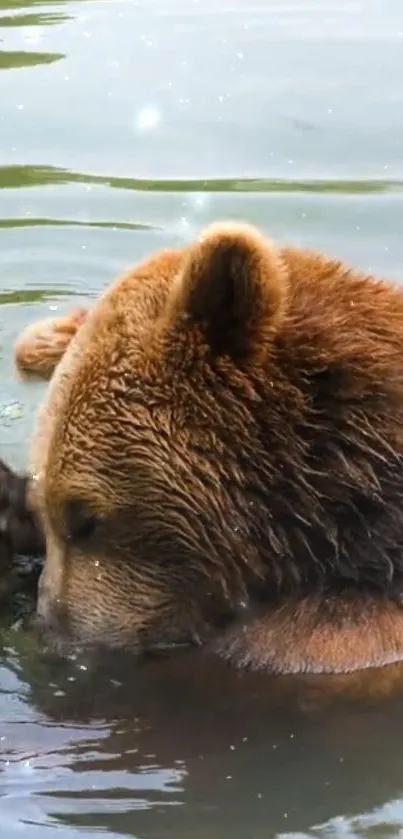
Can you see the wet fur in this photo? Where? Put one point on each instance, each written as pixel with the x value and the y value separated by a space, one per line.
pixel 237 411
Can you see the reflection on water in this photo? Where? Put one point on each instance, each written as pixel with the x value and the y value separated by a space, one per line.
pixel 10 59
pixel 191 749
pixel 125 126
pixel 13 177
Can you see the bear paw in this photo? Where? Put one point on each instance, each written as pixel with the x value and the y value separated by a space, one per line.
pixel 43 344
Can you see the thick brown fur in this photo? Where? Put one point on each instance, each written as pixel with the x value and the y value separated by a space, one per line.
pixel 219 460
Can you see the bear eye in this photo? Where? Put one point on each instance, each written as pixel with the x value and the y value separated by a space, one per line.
pixel 81 522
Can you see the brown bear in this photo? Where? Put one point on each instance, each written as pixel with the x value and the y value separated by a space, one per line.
pixel 219 459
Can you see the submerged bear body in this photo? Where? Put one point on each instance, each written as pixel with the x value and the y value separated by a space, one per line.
pixel 219 460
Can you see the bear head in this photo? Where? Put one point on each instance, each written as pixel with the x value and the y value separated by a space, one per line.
pixel 223 434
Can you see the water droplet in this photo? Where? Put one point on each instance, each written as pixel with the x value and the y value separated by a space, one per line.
pixel 242 604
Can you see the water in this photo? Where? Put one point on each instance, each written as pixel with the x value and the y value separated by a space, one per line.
pixel 124 127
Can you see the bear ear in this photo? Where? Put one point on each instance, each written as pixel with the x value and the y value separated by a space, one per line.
pixel 233 285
